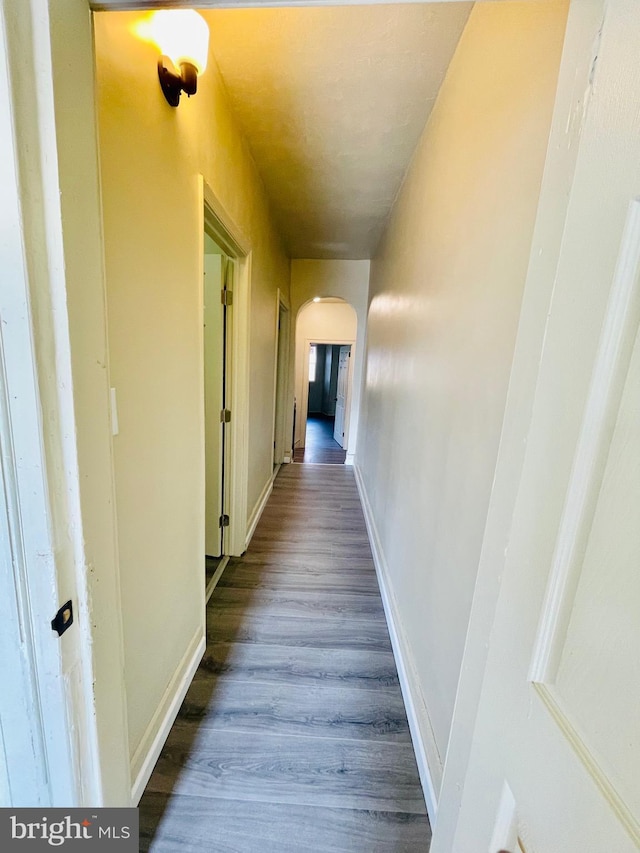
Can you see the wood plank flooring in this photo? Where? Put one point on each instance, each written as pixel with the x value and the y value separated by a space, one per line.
pixel 320 445
pixel 293 736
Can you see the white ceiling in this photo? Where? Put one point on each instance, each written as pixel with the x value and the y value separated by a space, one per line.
pixel 332 101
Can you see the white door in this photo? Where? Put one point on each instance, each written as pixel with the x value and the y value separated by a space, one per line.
pixel 555 766
pixel 214 266
pixel 341 398
pixel 282 349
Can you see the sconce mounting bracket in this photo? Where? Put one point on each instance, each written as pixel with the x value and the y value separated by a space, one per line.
pixel 173 82
pixel 170 80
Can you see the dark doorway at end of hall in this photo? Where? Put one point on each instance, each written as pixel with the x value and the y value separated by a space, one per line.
pixel 321 445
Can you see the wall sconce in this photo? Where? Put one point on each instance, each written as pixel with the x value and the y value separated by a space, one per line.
pixel 183 38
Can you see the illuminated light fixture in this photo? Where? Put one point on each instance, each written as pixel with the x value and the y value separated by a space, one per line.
pixel 316 299
pixel 183 38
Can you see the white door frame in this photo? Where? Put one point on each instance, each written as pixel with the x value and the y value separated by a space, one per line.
pixel 304 397
pixel 229 236
pixel 280 376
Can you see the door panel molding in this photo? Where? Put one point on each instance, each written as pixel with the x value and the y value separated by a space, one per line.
pixel 554 705
pixel 606 394
pixel 620 328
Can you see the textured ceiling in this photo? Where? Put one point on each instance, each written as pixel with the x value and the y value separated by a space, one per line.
pixel 332 101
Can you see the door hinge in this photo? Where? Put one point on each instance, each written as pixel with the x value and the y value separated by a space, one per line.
pixel 224 521
pixel 225 416
pixel 226 297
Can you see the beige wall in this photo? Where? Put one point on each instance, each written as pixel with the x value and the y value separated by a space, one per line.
pixel 348 280
pixel 446 288
pixel 151 156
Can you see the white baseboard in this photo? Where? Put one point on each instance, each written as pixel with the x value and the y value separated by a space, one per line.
pixel 150 747
pixel 427 755
pixel 213 583
pixel 351 459
pixel 259 507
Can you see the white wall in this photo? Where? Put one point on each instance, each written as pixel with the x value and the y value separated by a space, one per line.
pixel 446 288
pixel 151 157
pixel 348 280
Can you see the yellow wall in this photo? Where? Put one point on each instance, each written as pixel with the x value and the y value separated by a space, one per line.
pixel 445 295
pixel 151 156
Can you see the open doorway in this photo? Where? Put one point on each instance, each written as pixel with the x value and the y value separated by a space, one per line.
pixel 327 404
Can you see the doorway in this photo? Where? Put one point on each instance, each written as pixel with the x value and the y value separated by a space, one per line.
pixel 327 404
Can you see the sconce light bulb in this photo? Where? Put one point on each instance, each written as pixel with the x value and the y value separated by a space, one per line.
pixel 182 35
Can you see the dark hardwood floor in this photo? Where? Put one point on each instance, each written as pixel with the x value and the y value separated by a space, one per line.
pixel 293 736
pixel 320 445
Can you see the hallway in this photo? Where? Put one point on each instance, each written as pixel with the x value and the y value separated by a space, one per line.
pixel 320 445
pixel 451 189
pixel 293 735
